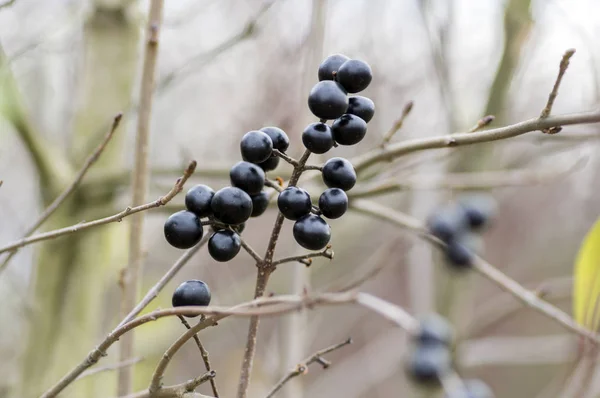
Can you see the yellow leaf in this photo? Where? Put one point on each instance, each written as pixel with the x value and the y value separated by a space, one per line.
pixel 586 284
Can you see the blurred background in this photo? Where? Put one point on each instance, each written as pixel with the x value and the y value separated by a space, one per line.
pixel 230 66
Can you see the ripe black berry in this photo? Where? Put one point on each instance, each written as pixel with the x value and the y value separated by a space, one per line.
pixel 231 205
pixel 362 107
pixel 312 232
pixel 447 223
pixel 339 173
pixel 427 364
pixel 256 146
pixel 280 139
pixel 260 202
pixel 348 129
pixel 330 66
pixel 269 164
pixel 248 177
pixel 479 210
pixel 183 229
pixel 197 200
pixel 354 75
pixel 191 293
pixel 472 388
pixel 224 245
pixel 328 100
pixel 294 202
pixel 333 203
pixel 317 138
pixel 461 251
pixel 434 330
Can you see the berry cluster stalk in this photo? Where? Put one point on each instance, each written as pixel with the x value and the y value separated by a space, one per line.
pixel 265 268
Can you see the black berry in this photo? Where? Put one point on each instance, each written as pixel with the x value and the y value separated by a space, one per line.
pixel 348 129
pixel 197 200
pixel 294 202
pixel 447 223
pixel 354 75
pixel 280 139
pixel 224 245
pixel 330 66
pixel 231 205
pixel 333 203
pixel 312 232
pixel 460 252
pixel 362 107
pixel 317 138
pixel 183 229
pixel 256 146
pixel 327 100
pixel 434 330
pixel 269 164
pixel 248 177
pixel 260 202
pixel 471 388
pixel 479 210
pixel 339 173
pixel 427 364
pixel 191 293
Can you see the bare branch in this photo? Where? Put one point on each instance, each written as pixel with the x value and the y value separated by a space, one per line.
pixel 564 64
pixel 327 253
pixel 397 124
pixel 106 368
pixel 163 200
pixel 483 122
pixel 65 194
pixel 302 367
pixel 182 390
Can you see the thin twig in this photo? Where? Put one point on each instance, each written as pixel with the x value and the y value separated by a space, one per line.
pixel 204 355
pixel 163 200
pixel 397 124
pixel 483 122
pixel 166 278
pixel 302 367
pixel 106 368
pixel 251 251
pixel 181 390
pixel 285 157
pixel 312 167
pixel 93 158
pixel 141 176
pixel 327 253
pixel 564 64
pixel 273 184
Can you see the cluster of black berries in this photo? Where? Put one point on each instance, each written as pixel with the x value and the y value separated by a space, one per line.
pixel 430 359
pixel 459 225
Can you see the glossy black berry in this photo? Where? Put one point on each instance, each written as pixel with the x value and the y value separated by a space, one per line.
pixel 447 223
pixel 471 388
pixel 248 177
pixel 434 330
pixel 362 107
pixel 339 173
pixel 183 229
pixel 224 245
pixel 256 146
pixel 280 139
pixel 231 205
pixel 327 100
pixel 260 202
pixel 330 66
pixel 354 75
pixel 479 210
pixel 317 138
pixel 294 202
pixel 312 232
pixel 269 164
pixel 348 129
pixel 333 203
pixel 197 200
pixel 460 252
pixel 191 293
pixel 427 364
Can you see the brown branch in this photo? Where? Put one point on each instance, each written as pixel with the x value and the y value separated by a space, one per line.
pixel 564 64
pixel 327 253
pixel 527 297
pixel 264 271
pixel 273 184
pixel 460 139
pixel 106 368
pixel 163 200
pixel 285 157
pixel 251 251
pixel 397 124
pixel 67 192
pixel 141 175
pixel 183 390
pixel 166 278
pixel 302 367
pixel 204 355
pixel 483 122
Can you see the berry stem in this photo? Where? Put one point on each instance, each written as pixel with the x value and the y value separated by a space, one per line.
pixel 265 268
pixel 287 158
pixel 327 253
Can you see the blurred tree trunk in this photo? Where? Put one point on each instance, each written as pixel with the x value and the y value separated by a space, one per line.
pixel 73 272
